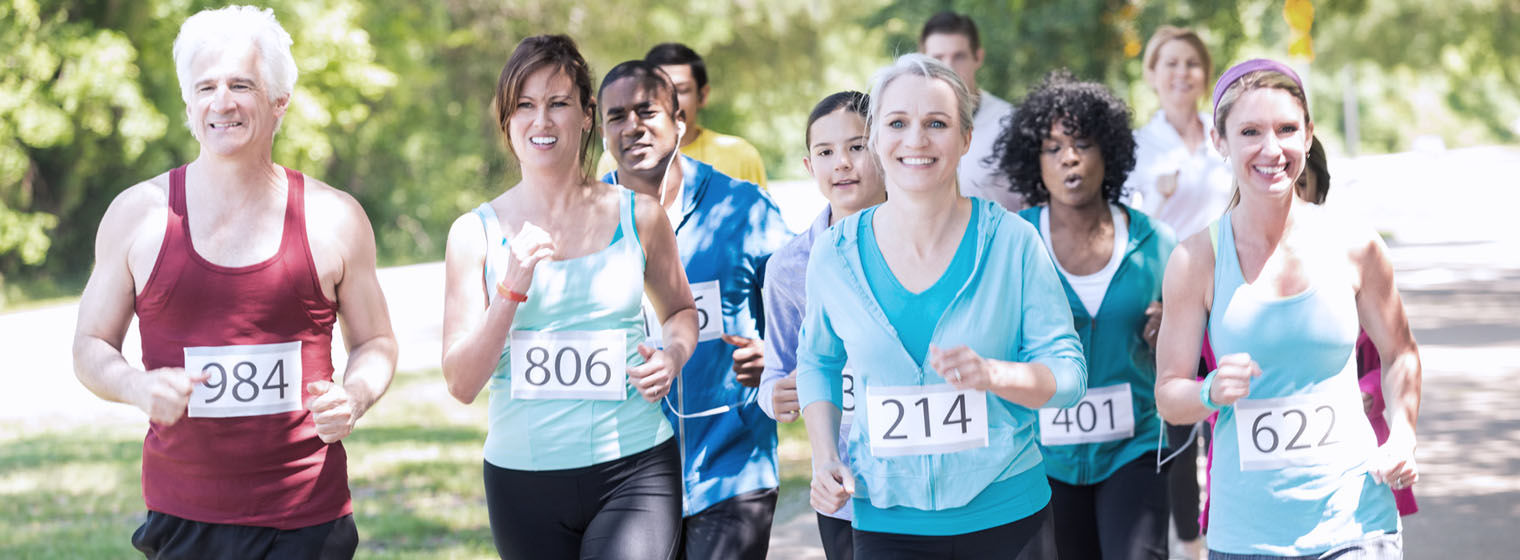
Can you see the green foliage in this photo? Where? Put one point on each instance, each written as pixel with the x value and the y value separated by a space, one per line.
pixel 393 101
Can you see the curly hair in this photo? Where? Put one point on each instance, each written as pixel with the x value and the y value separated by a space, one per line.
pixel 1086 110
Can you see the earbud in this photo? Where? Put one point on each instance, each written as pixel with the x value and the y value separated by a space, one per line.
pixel 680 130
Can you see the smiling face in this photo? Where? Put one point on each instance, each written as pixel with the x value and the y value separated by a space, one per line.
pixel 1071 168
pixel 638 125
pixel 844 169
pixel 919 137
pixel 547 122
pixel 1265 138
pixel 1178 74
pixel 230 110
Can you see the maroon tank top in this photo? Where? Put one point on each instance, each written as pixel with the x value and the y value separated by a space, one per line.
pixel 260 469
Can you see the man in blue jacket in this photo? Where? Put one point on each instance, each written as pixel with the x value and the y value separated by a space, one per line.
pixel 725 229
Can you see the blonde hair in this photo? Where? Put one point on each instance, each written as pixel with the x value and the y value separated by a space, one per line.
pixel 1166 34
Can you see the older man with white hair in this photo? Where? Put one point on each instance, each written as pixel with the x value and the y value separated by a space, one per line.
pixel 237 269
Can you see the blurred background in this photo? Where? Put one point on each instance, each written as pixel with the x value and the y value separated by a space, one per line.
pixel 391 104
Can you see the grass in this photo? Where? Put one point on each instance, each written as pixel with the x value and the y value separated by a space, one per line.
pixel 414 469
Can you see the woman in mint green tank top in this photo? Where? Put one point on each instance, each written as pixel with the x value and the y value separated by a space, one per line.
pixel 1281 287
pixel 542 305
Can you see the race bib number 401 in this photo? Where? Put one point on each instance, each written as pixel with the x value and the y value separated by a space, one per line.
pixel 247 380
pixel 925 420
pixel 1104 414
pixel 569 365
pixel 1304 429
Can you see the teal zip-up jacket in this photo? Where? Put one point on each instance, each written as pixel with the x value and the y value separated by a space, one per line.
pixel 1116 352
pixel 1011 308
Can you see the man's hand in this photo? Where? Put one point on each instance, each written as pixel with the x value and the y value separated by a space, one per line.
pixel 332 410
pixel 165 395
pixel 749 359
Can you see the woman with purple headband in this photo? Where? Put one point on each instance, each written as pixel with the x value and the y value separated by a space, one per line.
pixel 1281 288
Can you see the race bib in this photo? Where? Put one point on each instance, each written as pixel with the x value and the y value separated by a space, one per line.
pixel 1306 429
pixel 709 300
pixel 587 365
pixel 1104 414
pixel 925 420
pixel 847 410
pixel 247 380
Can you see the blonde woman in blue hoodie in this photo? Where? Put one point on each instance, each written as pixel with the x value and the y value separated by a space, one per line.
pixel 1068 150
pixel 957 328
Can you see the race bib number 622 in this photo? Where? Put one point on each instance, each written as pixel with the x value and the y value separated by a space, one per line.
pixel 923 420
pixel 1301 429
pixel 247 380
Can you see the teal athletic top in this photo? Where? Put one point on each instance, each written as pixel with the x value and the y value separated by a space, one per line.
pixel 600 291
pixel 1304 345
pixel 1116 351
pixel 914 316
pixel 1009 306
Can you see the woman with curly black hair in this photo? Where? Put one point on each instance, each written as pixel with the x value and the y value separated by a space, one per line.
pixel 1068 151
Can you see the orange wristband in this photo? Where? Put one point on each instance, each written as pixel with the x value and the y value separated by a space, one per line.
pixel 503 291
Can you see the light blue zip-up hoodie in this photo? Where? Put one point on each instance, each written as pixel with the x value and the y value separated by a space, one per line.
pixel 1012 308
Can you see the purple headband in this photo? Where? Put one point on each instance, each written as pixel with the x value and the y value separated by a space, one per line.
pixel 1235 72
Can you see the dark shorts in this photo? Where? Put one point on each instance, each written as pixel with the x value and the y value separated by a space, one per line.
pixel 738 528
pixel 167 537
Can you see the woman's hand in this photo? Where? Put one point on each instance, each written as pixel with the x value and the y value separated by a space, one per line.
pixel 1152 324
pixel 653 377
pixel 1232 380
pixel 833 484
pixel 1395 464
pixel 531 245
pixel 962 367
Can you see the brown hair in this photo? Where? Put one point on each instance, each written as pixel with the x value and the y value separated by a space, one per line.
pixel 531 55
pixel 1168 33
pixel 1260 79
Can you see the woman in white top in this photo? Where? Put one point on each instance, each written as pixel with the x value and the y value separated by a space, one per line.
pixel 1179 178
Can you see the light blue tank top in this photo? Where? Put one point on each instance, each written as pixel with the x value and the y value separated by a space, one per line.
pixel 600 291
pixel 1304 345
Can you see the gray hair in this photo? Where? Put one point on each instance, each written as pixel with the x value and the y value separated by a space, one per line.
pixel 213 29
pixel 916 64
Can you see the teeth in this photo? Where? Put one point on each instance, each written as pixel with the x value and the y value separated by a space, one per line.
pixel 1270 170
pixel 225 125
pixel 543 140
pixel 917 160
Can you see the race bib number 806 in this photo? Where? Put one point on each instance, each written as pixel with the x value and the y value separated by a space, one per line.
pixel 247 380
pixel 569 365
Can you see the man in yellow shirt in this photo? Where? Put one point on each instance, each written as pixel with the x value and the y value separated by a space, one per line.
pixel 732 155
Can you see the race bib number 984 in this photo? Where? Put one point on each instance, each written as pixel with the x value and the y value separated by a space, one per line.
pixel 925 420
pixel 569 365
pixel 247 380
pixel 1304 429
pixel 1104 414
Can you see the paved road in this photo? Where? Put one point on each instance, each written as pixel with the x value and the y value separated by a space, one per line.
pixel 1455 250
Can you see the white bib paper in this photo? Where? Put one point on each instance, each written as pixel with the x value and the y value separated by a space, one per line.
pixel 709 300
pixel 1104 414
pixel 569 365
pixel 925 420
pixel 1305 429
pixel 247 380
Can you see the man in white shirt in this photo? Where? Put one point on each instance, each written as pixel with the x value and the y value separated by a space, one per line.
pixel 952 38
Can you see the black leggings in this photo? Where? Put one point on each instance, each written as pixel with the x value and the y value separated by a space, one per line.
pixel 625 508
pixel 738 528
pixel 1030 538
pixel 1120 518
pixel 838 544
